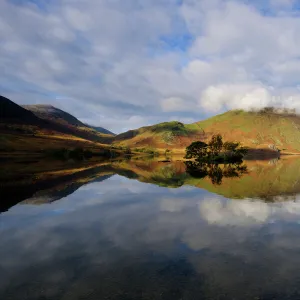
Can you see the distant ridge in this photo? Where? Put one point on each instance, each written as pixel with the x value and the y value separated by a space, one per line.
pixel 101 129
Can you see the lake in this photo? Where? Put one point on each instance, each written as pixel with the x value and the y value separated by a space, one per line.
pixel 140 229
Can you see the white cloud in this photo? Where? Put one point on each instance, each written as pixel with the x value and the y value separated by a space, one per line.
pixel 216 98
pixel 113 56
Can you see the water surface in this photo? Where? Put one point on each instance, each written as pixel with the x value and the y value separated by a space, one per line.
pixel 150 230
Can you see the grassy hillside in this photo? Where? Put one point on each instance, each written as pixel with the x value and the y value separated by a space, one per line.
pixel 257 130
pixel 172 135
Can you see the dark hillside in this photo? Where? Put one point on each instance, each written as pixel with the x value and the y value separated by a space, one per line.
pixel 12 112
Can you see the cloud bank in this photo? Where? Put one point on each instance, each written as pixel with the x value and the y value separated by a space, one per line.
pixel 124 64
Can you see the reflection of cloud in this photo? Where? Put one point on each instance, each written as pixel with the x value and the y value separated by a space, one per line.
pixel 120 224
pixel 242 213
pixel 292 208
pixel 246 212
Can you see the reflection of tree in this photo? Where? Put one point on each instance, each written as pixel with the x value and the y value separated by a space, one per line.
pixel 214 171
pixel 168 177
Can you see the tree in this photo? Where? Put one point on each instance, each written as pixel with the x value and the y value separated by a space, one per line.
pixel 216 144
pixel 196 150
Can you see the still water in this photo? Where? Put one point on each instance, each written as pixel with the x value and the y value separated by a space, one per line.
pixel 150 230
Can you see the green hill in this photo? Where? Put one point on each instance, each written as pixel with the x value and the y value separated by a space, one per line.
pixel 265 129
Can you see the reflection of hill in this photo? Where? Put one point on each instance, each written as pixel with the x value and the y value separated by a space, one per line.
pixel 163 174
pixel 63 190
pixel 36 184
pixel 264 179
pixel 47 187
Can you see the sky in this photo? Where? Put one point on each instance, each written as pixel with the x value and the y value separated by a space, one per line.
pixel 123 64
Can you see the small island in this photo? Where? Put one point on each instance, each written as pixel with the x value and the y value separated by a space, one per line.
pixel 216 151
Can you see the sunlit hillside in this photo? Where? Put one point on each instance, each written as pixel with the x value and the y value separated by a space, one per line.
pixel 266 129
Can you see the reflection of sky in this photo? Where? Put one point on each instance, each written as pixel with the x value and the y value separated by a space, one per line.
pixel 134 236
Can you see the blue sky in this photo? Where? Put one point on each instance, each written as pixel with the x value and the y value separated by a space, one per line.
pixel 124 64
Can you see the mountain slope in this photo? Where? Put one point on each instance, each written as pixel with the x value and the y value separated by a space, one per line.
pixel 49 112
pixel 12 112
pixel 258 130
pixel 263 129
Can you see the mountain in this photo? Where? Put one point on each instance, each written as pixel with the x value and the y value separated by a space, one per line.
pixel 34 129
pixel 60 117
pixel 101 130
pixel 261 130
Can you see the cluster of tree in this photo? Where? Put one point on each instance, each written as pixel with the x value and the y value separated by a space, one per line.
pixel 216 151
pixel 214 172
pixel 151 151
pixel 129 151
pixel 80 153
pixel 278 110
pixel 75 154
